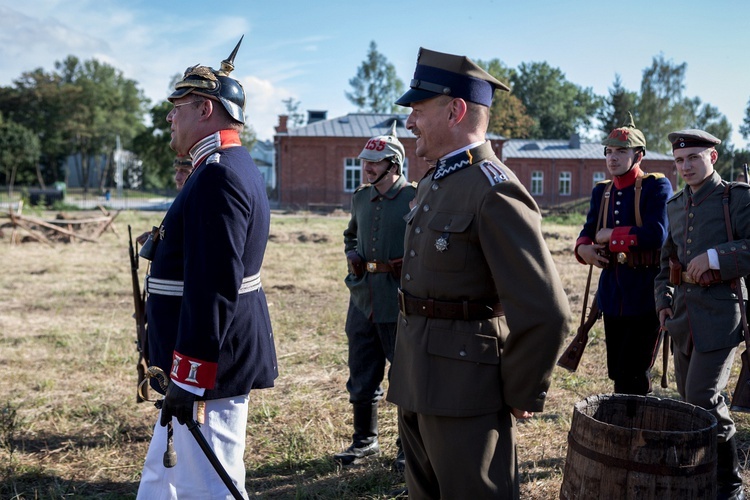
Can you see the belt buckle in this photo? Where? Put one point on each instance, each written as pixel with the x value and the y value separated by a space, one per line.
pixel 622 257
pixel 372 267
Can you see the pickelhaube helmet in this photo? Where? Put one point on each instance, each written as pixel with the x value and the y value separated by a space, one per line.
pixel 216 85
pixel 381 147
pixel 626 136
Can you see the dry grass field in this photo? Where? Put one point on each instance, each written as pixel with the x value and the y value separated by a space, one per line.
pixel 69 424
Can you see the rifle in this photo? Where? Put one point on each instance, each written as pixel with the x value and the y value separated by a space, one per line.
pixel 140 321
pixel 571 357
pixel 741 394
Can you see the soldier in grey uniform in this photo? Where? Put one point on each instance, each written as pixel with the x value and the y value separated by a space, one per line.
pixel 696 289
pixel 483 311
pixel 374 246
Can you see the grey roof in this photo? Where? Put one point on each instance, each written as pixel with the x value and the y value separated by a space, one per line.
pixel 561 149
pixel 361 125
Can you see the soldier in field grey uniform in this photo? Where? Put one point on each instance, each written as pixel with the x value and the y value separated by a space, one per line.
pixel 483 311
pixel 696 294
pixel 374 246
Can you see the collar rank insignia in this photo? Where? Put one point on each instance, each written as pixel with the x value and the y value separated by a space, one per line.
pixel 452 164
pixel 214 158
pixel 494 173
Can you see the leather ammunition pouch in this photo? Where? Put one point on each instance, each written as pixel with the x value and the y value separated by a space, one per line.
pixel 356 264
pixel 148 250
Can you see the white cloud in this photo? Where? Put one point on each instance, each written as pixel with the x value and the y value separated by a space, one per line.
pixel 263 105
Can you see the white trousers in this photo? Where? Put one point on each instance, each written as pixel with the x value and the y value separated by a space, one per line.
pixel 194 476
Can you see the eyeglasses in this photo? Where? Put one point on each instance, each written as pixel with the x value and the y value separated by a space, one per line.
pixel 175 106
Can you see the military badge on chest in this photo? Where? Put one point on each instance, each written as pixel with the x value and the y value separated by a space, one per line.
pixel 441 244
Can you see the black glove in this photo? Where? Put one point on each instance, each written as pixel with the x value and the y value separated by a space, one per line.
pixel 177 403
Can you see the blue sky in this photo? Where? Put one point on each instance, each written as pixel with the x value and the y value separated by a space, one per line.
pixel 308 50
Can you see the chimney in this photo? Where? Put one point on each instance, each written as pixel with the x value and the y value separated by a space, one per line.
pixel 281 128
pixel 316 116
pixel 575 142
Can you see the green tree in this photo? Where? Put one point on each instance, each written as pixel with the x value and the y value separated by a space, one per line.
pixel 661 107
pixel 559 107
pixel 151 146
pixel 19 153
pixel 745 127
pixel 508 116
pixel 296 119
pixel 38 102
pixel 102 105
pixel 614 112
pixel 376 87
pixel 710 119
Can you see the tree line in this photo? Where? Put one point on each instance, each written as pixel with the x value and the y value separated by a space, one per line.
pixel 543 104
pixel 77 111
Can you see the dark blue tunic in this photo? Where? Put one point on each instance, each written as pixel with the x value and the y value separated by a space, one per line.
pixel 213 236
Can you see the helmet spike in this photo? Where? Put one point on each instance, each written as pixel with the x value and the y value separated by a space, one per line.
pixel 393 128
pixel 227 65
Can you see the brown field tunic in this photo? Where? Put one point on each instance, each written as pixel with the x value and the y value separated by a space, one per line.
pixel 475 235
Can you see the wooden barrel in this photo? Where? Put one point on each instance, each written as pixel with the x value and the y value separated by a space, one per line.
pixel 639 447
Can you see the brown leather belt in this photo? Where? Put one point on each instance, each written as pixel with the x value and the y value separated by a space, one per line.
pixel 642 258
pixel 710 277
pixel 378 267
pixel 444 309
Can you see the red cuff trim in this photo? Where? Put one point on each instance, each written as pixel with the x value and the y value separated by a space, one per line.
pixel 621 239
pixel 193 371
pixel 583 240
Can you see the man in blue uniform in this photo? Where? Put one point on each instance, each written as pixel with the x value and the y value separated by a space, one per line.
pixel 697 288
pixel 623 234
pixel 374 247
pixel 209 327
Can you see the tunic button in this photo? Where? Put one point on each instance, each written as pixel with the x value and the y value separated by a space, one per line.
pixel 689 252
pixel 690 228
pixel 689 240
pixel 619 193
pixel 733 248
pixel 407 277
pixel 617 202
pixel 378 207
pixel 462 353
pixel 435 186
pixel 691 215
pixel 426 208
pixel 617 222
pixel 412 253
pixel 418 230
pixel 542 395
pixel 617 212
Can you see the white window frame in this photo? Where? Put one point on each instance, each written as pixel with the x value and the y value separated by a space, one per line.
pixel 352 174
pixel 565 184
pixel 537 183
pixel 597 177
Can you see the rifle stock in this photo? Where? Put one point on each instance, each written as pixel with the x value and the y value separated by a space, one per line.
pixel 140 321
pixel 571 357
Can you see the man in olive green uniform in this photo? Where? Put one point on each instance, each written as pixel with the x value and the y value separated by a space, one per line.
pixel 483 311
pixel 374 246
pixel 696 289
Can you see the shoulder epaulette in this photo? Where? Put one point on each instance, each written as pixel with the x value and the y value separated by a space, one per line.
pixel 414 184
pixel 605 181
pixel 736 184
pixel 655 175
pixel 494 172
pixel 361 187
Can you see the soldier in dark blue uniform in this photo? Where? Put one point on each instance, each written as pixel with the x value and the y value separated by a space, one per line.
pixel 623 234
pixel 209 326
pixel 374 247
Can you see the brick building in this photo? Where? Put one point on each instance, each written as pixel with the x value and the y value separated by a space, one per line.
pixel 317 165
pixel 557 172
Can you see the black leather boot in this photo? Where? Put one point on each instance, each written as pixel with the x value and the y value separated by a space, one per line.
pixel 399 465
pixel 365 437
pixel 728 472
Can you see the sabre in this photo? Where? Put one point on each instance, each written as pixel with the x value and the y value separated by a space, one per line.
pixel 170 456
